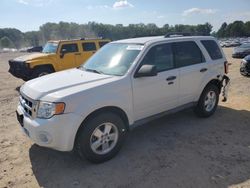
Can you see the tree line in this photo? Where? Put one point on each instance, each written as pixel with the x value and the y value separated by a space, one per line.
pixel 235 29
pixel 13 38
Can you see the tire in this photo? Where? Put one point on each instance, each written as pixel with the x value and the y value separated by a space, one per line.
pixel 41 71
pixel 94 149
pixel 208 101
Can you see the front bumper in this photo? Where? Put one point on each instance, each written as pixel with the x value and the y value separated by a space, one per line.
pixel 19 69
pixel 57 132
pixel 245 69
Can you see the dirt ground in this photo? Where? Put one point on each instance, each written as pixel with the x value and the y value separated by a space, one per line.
pixel 179 150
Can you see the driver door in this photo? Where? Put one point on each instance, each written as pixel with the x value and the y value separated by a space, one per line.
pixel 156 94
pixel 68 56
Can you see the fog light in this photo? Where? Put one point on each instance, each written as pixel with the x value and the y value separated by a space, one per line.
pixel 45 137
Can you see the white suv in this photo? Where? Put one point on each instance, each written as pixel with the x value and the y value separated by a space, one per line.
pixel 125 84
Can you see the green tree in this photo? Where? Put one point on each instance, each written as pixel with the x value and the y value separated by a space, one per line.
pixel 204 29
pixel 247 29
pixel 222 31
pixel 32 38
pixel 5 42
pixel 237 29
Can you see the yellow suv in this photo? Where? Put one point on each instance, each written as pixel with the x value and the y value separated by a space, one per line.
pixel 56 56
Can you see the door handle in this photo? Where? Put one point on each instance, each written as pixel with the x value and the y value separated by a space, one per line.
pixel 203 70
pixel 170 83
pixel 171 78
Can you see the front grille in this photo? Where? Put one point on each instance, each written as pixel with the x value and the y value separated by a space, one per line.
pixel 248 66
pixel 16 65
pixel 27 105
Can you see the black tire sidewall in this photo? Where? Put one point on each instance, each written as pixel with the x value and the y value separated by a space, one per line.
pixel 200 108
pixel 83 139
pixel 38 70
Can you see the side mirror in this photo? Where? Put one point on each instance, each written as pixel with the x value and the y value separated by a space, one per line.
pixel 146 71
pixel 63 52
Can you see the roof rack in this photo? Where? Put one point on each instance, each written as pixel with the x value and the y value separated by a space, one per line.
pixel 95 38
pixel 182 34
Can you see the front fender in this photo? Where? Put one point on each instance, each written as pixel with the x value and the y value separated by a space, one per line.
pixel 41 62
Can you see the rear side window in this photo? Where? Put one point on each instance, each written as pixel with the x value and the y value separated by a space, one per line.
pixel 69 48
pixel 161 56
pixel 187 53
pixel 212 49
pixel 101 44
pixel 89 46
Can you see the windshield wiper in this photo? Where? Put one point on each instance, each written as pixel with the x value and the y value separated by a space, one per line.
pixel 93 70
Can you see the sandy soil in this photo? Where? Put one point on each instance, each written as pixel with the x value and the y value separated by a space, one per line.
pixel 179 150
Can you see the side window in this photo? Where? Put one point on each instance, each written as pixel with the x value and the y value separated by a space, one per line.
pixel 69 48
pixel 212 49
pixel 89 46
pixel 187 53
pixel 161 56
pixel 101 44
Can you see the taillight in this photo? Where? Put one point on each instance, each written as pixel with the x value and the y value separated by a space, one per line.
pixel 226 67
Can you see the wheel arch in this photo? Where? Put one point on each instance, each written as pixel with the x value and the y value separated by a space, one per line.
pixel 45 65
pixel 113 109
pixel 215 82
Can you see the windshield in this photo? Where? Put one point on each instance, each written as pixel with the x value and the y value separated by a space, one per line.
pixel 113 59
pixel 50 47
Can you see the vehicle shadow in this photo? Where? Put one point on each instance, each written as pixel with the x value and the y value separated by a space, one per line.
pixel 179 150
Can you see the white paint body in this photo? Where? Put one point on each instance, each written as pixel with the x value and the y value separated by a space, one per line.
pixel 85 92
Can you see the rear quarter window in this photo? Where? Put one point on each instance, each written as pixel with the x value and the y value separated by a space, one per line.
pixel 212 49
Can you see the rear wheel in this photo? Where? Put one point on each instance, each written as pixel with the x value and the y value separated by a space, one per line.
pixel 101 137
pixel 208 101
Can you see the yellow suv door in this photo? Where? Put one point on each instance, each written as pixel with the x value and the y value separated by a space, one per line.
pixel 67 55
pixel 88 49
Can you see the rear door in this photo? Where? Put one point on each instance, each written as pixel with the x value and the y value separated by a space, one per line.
pixel 156 94
pixel 67 55
pixel 191 63
pixel 88 49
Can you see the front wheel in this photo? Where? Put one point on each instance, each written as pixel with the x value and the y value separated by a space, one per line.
pixel 41 71
pixel 101 137
pixel 208 101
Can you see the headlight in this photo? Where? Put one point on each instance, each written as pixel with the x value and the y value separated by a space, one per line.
pixel 47 109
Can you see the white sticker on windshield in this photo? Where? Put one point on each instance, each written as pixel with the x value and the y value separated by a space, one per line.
pixel 135 47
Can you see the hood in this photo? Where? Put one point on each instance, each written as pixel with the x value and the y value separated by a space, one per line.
pixel 32 56
pixel 247 58
pixel 62 81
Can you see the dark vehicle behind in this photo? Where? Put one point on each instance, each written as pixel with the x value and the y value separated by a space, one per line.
pixel 245 66
pixel 35 49
pixel 241 51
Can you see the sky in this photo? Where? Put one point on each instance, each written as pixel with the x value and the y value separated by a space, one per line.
pixel 28 15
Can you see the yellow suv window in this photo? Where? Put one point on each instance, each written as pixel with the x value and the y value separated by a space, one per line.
pixel 89 46
pixel 68 48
